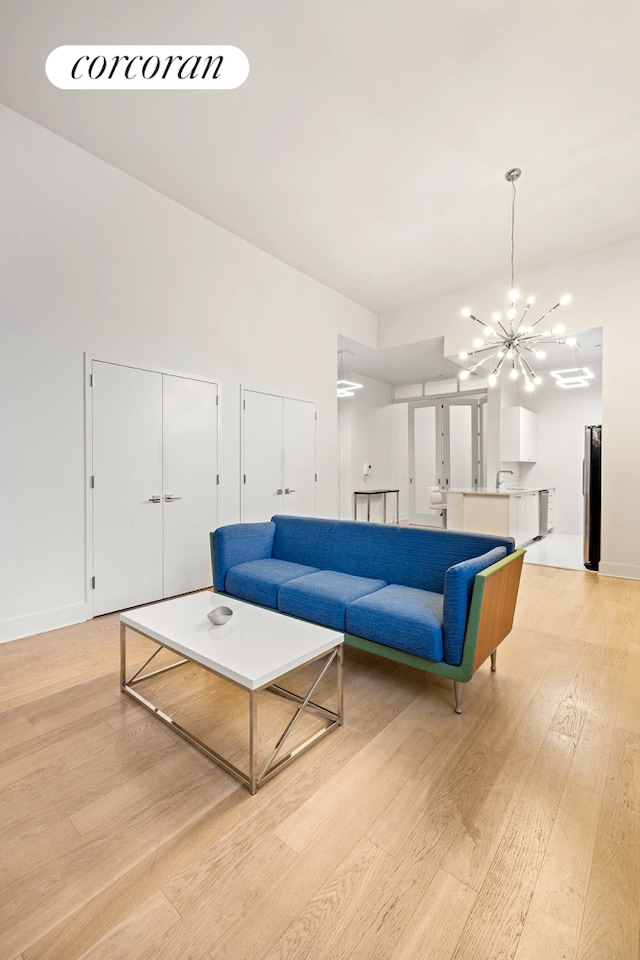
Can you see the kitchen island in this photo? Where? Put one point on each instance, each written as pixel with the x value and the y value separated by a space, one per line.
pixel 508 511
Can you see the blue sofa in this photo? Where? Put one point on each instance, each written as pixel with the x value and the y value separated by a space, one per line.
pixel 438 600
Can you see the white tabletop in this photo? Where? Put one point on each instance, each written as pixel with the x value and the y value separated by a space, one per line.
pixel 255 647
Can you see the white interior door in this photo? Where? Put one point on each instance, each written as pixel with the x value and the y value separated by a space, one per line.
pixel 190 434
pixel 299 467
pixel 445 450
pixel 425 462
pixel 127 494
pixel 461 451
pixel 263 451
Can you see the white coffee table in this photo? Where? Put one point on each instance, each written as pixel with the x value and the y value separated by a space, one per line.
pixel 253 650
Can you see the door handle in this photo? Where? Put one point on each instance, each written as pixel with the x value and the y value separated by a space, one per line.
pixel 156 499
pixel 169 497
pixel 286 490
pixel 279 491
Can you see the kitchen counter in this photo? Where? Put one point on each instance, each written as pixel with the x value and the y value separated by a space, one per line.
pixel 492 492
pixel 509 511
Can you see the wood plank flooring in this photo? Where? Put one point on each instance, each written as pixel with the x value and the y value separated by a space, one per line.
pixel 511 831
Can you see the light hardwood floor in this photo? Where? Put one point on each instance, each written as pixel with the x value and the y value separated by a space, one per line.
pixel 511 831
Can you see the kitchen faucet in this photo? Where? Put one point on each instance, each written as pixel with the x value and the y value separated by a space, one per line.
pixel 498 480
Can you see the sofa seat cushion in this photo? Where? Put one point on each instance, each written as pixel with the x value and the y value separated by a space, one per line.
pixel 402 617
pixel 323 597
pixel 260 580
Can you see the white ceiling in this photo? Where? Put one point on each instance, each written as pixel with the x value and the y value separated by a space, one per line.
pixel 369 144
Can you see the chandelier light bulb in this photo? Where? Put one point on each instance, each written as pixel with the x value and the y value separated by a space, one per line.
pixel 463 355
pixel 514 374
pixel 572 342
pixel 513 295
pixel 565 300
pixel 529 386
pixel 492 379
pixel 465 312
pixel 489 332
pixel 478 343
pixel 540 354
pixel 537 381
pixel 465 374
pixel 556 331
pixel 495 317
pixel 531 300
pixel 511 314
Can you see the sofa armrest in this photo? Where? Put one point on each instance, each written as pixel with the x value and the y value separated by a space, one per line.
pixel 459 582
pixel 493 605
pixel 239 543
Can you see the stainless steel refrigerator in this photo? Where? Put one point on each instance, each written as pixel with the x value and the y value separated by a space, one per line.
pixel 591 488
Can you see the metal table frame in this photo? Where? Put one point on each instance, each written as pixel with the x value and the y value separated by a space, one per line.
pixel 254 778
pixel 373 493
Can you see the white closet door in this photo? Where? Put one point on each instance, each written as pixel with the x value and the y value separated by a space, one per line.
pixel 127 467
pixel 262 483
pixel 299 473
pixel 190 433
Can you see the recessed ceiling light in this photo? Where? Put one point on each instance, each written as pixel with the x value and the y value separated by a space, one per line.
pixel 575 377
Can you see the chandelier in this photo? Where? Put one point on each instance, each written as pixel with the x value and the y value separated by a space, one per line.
pixel 512 341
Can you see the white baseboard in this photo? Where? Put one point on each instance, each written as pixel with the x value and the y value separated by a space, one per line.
pixel 19 627
pixel 624 571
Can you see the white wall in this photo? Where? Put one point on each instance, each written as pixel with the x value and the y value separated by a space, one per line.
pixel 561 418
pixel 605 285
pixel 94 261
pixel 374 431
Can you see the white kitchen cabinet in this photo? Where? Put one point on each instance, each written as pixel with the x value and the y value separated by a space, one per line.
pixel 518 435
pixel 531 515
pixel 524 516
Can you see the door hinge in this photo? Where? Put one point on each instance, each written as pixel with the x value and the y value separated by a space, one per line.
pixel 92 482
pixel 90 379
pixel 244 404
pixel 244 478
pixel 315 416
pixel 93 583
pixel 217 400
pixel 217 479
pixel 316 477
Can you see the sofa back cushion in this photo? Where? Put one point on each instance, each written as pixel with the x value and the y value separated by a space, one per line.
pixel 408 556
pixel 303 540
pixel 458 588
pixel 412 557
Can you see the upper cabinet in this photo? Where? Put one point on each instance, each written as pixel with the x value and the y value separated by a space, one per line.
pixel 518 435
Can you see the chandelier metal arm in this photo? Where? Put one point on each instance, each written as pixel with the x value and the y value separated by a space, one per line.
pixel 490 346
pixel 500 362
pixel 540 319
pixel 529 369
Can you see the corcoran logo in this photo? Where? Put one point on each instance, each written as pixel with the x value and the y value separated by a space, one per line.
pixel 112 67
